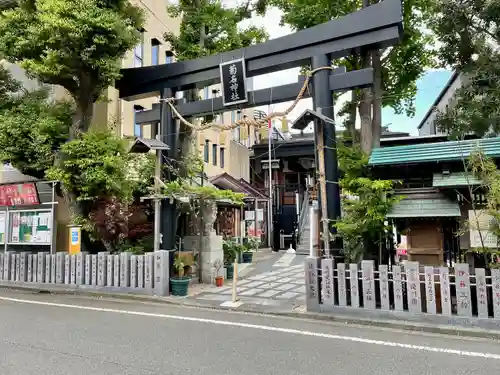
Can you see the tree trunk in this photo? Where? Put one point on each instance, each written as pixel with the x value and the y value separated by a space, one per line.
pixel 84 100
pixel 376 99
pixel 365 110
pixel 351 117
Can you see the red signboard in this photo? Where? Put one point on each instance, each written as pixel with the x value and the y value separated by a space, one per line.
pixel 401 252
pixel 19 194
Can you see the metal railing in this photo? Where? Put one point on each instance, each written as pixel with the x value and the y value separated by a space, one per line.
pixel 303 214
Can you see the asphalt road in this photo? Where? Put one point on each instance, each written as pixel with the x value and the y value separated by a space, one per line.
pixel 52 335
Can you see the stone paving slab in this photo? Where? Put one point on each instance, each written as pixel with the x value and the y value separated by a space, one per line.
pixel 276 286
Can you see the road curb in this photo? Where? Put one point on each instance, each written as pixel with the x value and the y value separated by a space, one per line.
pixel 257 309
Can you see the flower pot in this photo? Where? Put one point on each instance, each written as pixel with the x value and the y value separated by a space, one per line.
pixel 247 257
pixel 219 281
pixel 180 285
pixel 229 271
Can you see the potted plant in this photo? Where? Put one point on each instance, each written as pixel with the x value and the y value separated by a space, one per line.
pixel 229 248
pixel 247 255
pixel 219 280
pixel 179 283
pixel 239 249
pixel 251 244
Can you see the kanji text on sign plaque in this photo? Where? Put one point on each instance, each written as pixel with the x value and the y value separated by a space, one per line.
pixel 233 82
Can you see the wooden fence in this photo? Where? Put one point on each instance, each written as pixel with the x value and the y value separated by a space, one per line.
pixel 125 272
pixel 409 288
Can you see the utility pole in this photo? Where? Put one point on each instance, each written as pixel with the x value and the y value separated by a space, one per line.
pixel 157 199
pixel 323 217
pixel 329 197
pixel 270 236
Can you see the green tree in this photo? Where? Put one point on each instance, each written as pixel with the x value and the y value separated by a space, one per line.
pixel 468 32
pixel 78 45
pixel 366 202
pixel 107 182
pixel 32 127
pixel 396 69
pixel 208 27
pixel 485 170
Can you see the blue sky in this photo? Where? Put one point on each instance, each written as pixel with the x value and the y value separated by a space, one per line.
pixel 429 87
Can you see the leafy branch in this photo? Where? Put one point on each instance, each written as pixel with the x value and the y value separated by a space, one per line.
pixel 366 202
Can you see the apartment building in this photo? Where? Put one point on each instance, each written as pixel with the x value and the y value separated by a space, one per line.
pixel 445 99
pixel 228 151
pixel 151 50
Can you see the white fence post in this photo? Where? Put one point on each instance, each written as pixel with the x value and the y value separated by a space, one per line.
pixel 23 267
pixel 397 282
pixel 162 273
pixel 140 271
pixel 93 258
pixel 430 291
pixel 367 269
pixel 462 286
pixel 327 283
pixel 383 276
pixel 341 283
pixel 102 264
pixel 495 284
pixel 72 277
pixel 133 271
pixel 312 283
pixel 354 284
pixel 481 293
pixel 60 263
pixel 109 270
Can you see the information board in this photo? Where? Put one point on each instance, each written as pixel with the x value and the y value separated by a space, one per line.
pixel 480 234
pixel 2 226
pixel 30 227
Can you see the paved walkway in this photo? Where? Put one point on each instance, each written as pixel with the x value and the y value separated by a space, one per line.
pixel 282 284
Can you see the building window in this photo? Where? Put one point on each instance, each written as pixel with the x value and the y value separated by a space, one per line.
pixel 139 52
pixel 169 57
pixel 214 154
pixel 205 93
pixel 221 157
pixel 155 51
pixel 236 134
pixel 233 117
pixel 205 151
pixel 238 115
pixel 137 127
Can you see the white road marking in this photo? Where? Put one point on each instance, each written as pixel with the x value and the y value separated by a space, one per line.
pixel 265 328
pixel 285 260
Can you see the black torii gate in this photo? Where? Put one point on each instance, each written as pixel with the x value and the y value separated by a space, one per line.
pixel 375 27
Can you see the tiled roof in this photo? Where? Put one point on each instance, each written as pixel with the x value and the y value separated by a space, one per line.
pixel 455 180
pixel 434 152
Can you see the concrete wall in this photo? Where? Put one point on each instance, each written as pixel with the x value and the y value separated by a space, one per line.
pixel 444 101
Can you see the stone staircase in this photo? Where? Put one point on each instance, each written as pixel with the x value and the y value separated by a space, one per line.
pixel 303 245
